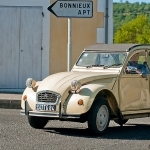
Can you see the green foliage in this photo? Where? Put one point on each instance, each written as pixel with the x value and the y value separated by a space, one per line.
pixel 125 12
pixel 135 31
pixel 131 23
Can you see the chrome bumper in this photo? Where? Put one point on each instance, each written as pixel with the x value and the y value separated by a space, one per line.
pixel 51 115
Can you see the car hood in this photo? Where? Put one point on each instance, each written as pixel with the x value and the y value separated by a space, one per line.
pixel 60 82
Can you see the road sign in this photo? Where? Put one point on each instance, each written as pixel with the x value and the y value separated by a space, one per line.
pixel 72 9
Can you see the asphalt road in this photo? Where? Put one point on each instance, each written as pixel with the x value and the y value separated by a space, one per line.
pixel 16 134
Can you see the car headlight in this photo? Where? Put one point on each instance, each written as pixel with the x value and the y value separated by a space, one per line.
pixel 75 85
pixel 30 83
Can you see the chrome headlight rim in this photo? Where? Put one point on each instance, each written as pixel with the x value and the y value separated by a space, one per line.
pixel 30 83
pixel 75 85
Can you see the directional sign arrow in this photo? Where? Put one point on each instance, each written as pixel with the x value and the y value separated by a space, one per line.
pixel 72 9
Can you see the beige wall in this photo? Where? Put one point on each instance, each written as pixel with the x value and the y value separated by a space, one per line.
pixel 84 33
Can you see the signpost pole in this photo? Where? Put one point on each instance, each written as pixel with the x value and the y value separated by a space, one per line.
pixel 69 44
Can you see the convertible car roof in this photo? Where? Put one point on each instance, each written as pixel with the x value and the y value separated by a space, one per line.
pixel 114 47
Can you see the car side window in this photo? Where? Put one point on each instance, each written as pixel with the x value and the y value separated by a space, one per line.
pixel 137 64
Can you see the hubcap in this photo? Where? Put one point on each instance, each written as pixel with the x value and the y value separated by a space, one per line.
pixel 102 118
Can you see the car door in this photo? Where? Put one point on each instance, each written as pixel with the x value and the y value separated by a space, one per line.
pixel 134 89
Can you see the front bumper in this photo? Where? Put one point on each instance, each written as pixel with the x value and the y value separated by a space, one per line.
pixel 50 115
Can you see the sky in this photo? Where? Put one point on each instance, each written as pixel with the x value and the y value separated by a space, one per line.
pixel 133 1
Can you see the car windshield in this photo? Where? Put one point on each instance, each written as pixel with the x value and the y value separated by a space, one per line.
pixel 97 59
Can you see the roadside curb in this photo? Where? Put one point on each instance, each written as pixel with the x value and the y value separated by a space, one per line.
pixel 10 104
pixel 10 100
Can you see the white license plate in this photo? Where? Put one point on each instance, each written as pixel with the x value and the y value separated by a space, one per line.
pixel 45 107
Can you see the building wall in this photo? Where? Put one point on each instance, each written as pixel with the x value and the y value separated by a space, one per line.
pixel 85 31
pixel 55 35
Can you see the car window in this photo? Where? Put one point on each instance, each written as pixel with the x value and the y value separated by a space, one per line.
pixel 101 59
pixel 137 64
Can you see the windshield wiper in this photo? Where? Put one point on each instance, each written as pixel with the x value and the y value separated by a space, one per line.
pixel 90 66
pixel 108 66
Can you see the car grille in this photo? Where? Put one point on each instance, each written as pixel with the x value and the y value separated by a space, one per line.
pixel 47 96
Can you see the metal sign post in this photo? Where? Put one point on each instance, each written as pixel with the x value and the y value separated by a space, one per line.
pixel 69 65
pixel 71 9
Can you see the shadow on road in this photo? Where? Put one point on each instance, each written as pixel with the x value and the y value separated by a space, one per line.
pixel 127 132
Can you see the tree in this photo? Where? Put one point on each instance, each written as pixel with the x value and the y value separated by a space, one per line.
pixel 134 31
pixel 129 11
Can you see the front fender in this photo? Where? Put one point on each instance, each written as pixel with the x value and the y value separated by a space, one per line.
pixel 87 94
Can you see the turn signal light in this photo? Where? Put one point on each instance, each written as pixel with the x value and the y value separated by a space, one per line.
pixel 80 102
pixel 25 97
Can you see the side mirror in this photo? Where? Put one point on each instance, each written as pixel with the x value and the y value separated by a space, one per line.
pixel 131 70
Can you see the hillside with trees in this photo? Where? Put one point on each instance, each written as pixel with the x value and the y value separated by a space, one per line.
pixel 125 12
pixel 135 31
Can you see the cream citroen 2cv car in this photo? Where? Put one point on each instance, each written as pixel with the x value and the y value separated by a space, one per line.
pixel 108 82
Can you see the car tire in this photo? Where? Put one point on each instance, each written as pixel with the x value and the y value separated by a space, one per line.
pixel 99 117
pixel 37 122
pixel 121 122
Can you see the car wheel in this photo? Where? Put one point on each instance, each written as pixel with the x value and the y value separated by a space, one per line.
pixel 37 122
pixel 99 117
pixel 121 122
